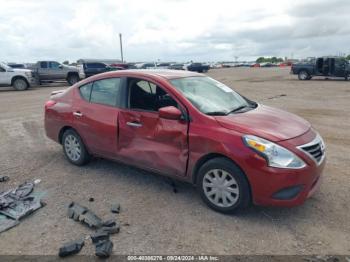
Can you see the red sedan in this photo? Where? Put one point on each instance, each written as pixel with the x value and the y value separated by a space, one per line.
pixel 190 127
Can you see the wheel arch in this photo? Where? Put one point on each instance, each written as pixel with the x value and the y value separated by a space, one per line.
pixel 19 77
pixel 200 162
pixel 64 129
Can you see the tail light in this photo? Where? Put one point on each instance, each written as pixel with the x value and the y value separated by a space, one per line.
pixel 49 104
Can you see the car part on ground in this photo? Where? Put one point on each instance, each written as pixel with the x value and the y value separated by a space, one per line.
pixel 71 248
pixel 84 215
pixel 103 249
pixel 17 203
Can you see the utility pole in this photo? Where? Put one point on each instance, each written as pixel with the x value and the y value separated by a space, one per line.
pixel 121 47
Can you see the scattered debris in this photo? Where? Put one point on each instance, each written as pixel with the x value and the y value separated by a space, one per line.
pixel 103 248
pixel 71 248
pixel 4 178
pixel 37 181
pixel 84 215
pixel 111 226
pixel 277 96
pixel 100 238
pixel 115 208
pixel 16 204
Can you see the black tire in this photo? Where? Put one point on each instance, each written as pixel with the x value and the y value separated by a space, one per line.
pixel 228 166
pixel 72 79
pixel 347 76
pixel 303 75
pixel 20 84
pixel 84 156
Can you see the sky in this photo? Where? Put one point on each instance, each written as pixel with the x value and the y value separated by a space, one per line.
pixel 172 30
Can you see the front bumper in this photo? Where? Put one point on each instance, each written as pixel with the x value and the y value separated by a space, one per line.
pixel 285 187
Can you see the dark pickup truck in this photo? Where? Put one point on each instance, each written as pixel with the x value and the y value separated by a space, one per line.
pixel 196 67
pixel 322 66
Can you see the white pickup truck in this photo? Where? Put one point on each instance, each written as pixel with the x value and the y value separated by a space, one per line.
pixel 19 79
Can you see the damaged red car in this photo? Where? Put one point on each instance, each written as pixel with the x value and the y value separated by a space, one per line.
pixel 190 127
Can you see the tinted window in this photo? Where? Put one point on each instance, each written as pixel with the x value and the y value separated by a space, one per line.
pixel 43 64
pixel 54 65
pixel 95 65
pixel 85 91
pixel 105 91
pixel 148 96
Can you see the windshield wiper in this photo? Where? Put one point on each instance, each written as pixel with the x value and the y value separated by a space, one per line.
pixel 237 109
pixel 216 113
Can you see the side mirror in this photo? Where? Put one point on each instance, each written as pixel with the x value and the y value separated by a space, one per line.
pixel 60 66
pixel 170 112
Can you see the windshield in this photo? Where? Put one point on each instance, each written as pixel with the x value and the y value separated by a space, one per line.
pixel 4 66
pixel 210 96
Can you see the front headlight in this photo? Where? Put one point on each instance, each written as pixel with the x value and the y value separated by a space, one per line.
pixel 275 155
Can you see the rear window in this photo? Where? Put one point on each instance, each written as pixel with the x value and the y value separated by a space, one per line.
pixel 105 91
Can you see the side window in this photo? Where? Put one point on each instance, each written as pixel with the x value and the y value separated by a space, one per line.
pixel 145 95
pixel 105 91
pixel 54 65
pixel 43 64
pixel 85 91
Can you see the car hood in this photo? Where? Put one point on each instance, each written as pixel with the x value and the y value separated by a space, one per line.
pixel 21 70
pixel 266 122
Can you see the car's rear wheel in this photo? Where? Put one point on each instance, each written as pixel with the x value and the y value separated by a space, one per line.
pixel 74 148
pixel 303 75
pixel 73 79
pixel 20 84
pixel 223 186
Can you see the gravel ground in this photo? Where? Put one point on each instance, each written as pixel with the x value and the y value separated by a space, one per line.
pixel 154 219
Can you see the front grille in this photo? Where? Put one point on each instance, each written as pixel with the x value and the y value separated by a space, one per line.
pixel 315 149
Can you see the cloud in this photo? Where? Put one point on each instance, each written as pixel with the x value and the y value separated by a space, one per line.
pixel 172 30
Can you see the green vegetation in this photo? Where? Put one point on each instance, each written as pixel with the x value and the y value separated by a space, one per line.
pixel 269 59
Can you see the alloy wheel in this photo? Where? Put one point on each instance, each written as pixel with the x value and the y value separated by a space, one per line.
pixel 72 147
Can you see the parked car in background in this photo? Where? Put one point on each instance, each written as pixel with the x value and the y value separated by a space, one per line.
pixel 196 67
pixel 14 65
pixel 94 68
pixel 52 71
pixel 176 66
pixel 19 79
pixel 190 127
pixel 322 66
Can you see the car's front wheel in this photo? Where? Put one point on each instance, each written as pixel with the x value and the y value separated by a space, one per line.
pixel 303 75
pixel 20 84
pixel 74 148
pixel 73 79
pixel 223 186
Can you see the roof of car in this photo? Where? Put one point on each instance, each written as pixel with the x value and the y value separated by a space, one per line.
pixel 164 73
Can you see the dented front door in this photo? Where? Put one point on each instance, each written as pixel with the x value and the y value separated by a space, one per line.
pixel 152 142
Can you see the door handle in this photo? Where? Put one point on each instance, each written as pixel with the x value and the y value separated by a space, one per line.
pixel 78 114
pixel 134 124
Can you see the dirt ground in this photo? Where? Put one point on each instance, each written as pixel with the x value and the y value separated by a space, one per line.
pixel 154 219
